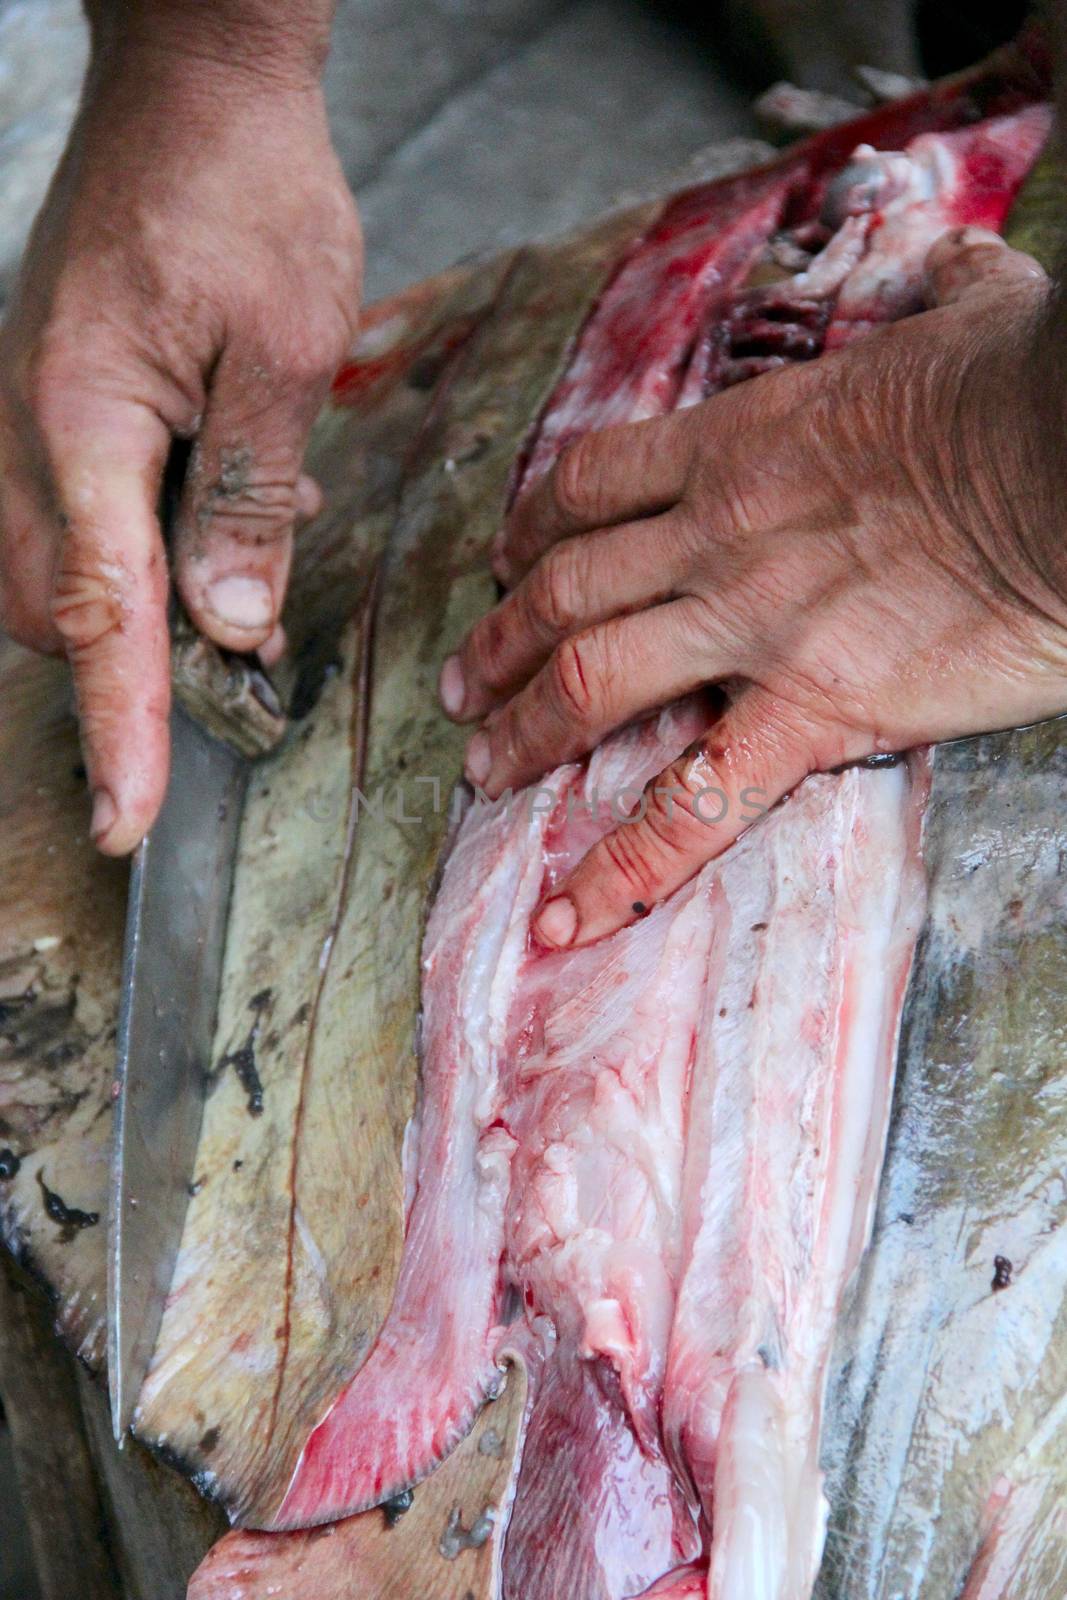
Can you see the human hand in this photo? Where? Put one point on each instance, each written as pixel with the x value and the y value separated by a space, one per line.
pixel 864 551
pixel 194 273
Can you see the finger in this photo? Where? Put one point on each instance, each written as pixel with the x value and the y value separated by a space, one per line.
pixel 243 493
pixel 689 815
pixel 275 647
pixel 604 478
pixel 592 683
pixel 308 497
pixel 965 261
pixel 582 581
pixel 29 536
pixel 109 605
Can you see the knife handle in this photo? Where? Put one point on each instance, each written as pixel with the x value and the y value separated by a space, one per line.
pixel 230 695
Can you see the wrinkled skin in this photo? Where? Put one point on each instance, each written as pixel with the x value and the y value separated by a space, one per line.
pixel 194 273
pixel 863 551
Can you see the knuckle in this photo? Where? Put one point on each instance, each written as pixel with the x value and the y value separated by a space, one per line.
pixel 573 678
pixel 309 364
pixel 553 593
pixel 95 597
pixel 631 856
pixel 673 824
pixel 86 608
pixel 573 486
pixel 253 495
pixel 298 359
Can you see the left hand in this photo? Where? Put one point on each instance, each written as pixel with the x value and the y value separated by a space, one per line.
pixel 864 551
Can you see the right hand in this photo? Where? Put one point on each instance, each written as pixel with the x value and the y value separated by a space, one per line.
pixel 195 272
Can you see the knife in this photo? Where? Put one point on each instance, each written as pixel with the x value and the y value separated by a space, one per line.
pixel 226 713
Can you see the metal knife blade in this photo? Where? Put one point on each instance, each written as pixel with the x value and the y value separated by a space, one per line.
pixel 172 966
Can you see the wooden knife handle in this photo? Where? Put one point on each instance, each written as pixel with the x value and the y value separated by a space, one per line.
pixel 230 695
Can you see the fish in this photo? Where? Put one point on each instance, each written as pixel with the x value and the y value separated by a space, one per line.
pixel 664 1149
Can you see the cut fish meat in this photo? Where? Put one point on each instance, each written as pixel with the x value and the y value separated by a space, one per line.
pixel 944 181
pixel 672 1154
pixel 789 1107
pixel 887 209
pixel 656 1159
pixel 629 365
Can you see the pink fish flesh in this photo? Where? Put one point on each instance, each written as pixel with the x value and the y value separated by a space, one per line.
pixel 664 1149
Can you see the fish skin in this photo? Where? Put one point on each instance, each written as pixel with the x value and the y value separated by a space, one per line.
pixel 941 1385
pixel 364 1556
pixel 238 1378
pixel 474 943
pixel 247 1471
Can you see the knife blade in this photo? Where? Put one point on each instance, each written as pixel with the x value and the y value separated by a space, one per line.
pixel 175 931
pixel 225 714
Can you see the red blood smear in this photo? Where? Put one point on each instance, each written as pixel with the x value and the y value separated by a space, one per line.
pixel 632 354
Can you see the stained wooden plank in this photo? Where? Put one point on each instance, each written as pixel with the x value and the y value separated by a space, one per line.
pixel 64 1510
pixel 158 1525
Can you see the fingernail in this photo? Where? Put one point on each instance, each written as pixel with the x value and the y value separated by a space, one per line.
pixel 451 687
pixel 479 758
pixel 241 602
pixel 105 812
pixel 557 923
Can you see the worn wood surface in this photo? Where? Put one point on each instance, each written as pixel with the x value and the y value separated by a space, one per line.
pixel 64 1507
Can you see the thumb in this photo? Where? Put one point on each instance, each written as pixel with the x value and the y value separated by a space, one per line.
pixel 689 814
pixel 243 493
pixel 967 261
pixel 108 602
